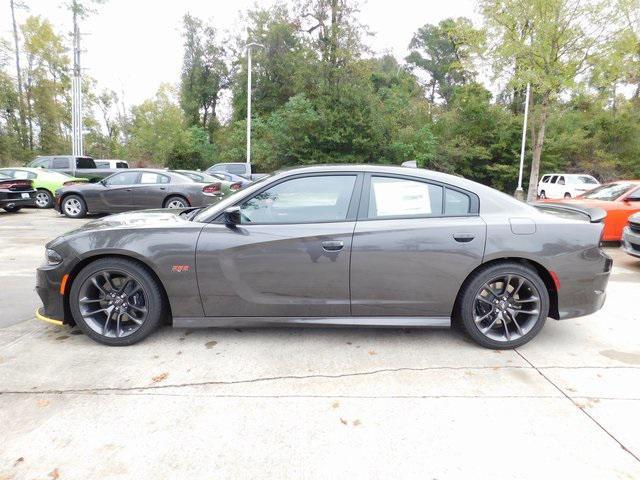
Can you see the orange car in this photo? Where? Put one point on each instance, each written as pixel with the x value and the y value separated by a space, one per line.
pixel 620 199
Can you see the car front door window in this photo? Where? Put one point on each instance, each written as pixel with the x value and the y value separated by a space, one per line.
pixel 127 178
pixel 313 199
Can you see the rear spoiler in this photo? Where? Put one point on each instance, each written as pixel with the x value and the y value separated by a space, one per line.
pixel 596 215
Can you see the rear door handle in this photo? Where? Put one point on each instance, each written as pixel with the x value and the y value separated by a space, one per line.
pixel 162 188
pixel 463 237
pixel 332 245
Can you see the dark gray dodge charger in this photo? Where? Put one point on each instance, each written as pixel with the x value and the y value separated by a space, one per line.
pixel 332 245
pixel 135 189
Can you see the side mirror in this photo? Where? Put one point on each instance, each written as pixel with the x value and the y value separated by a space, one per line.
pixel 632 199
pixel 103 182
pixel 232 216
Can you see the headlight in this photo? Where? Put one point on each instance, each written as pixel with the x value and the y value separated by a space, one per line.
pixel 52 257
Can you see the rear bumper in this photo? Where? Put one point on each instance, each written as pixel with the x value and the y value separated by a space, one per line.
pixel 9 199
pixel 631 242
pixel 585 294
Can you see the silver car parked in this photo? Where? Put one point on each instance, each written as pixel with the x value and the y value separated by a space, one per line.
pixel 333 245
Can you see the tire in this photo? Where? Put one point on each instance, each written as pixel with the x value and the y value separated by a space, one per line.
pixel 567 195
pixel 13 209
pixel 44 199
pixel 73 206
pixel 176 201
pixel 493 330
pixel 543 195
pixel 121 330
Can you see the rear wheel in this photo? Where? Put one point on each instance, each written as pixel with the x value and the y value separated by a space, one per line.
pixel 44 199
pixel 116 302
pixel 543 195
pixel 567 195
pixel 504 305
pixel 176 202
pixel 12 209
pixel 73 206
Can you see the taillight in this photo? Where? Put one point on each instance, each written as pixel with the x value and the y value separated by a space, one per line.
pixel 235 186
pixel 212 189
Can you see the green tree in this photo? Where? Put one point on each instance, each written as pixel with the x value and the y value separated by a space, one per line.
pixel 446 52
pixel 561 36
pixel 204 74
pixel 155 127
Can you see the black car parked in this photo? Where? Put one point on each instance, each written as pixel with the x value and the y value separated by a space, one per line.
pixel 15 194
pixel 135 189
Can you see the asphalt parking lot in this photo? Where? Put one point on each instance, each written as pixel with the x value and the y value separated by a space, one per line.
pixel 314 403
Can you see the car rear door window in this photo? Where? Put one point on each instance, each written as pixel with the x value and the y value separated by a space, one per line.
pixel 60 163
pixel 545 179
pixel 237 169
pixel 147 178
pixel 311 199
pixel 125 178
pixel 394 197
pixel 553 179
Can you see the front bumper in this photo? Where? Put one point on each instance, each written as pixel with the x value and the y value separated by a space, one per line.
pixel 631 242
pixel 48 281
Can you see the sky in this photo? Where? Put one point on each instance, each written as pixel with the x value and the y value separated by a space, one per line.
pixel 133 46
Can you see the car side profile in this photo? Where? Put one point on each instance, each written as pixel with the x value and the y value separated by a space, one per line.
pixel 135 189
pixel 565 185
pixel 334 245
pixel 45 182
pixel 619 199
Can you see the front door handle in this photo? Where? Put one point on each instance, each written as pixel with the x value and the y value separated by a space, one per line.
pixel 163 188
pixel 463 237
pixel 332 245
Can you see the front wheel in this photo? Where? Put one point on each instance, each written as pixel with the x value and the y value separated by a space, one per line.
pixel 12 209
pixel 73 206
pixel 504 305
pixel 116 302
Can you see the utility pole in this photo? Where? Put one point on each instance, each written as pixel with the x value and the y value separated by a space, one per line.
pixel 21 109
pixel 519 192
pixel 76 89
pixel 248 47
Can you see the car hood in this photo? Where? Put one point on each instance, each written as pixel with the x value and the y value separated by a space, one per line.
pixel 144 219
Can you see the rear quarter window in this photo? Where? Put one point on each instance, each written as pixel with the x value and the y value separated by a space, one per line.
pixel 456 203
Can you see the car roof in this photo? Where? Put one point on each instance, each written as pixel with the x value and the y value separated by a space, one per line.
pixel 569 174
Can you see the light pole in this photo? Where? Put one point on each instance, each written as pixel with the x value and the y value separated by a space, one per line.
pixel 248 47
pixel 519 192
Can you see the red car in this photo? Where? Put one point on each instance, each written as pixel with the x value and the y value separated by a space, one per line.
pixel 620 200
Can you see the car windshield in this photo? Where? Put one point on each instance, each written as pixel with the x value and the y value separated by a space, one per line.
pixel 585 179
pixel 227 202
pixel 609 192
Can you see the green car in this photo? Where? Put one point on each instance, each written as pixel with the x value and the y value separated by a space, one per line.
pixel 226 187
pixel 45 182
